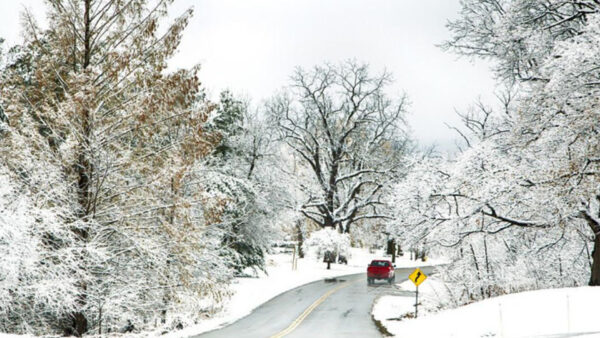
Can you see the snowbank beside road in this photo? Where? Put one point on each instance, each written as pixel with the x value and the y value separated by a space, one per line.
pixel 388 309
pixel 542 313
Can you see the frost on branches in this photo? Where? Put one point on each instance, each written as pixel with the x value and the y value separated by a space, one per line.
pixel 244 172
pixel 555 118
pixel 107 191
pixel 350 138
pixel 37 283
pixel 518 207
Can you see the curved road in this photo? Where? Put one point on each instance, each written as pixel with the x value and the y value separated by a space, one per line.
pixel 339 307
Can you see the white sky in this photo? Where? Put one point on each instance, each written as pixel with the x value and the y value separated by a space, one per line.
pixel 252 46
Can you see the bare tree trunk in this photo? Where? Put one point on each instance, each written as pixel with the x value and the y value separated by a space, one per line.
pixel 300 238
pixel 391 249
pixel 595 227
pixel 253 161
pixel 100 320
pixel 251 169
pixel 595 276
pixel 487 267
pixel 84 173
pixel 477 268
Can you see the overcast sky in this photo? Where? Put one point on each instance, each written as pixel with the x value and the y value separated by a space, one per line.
pixel 252 46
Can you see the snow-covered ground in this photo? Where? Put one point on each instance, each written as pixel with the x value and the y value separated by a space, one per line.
pixel 249 293
pixel 432 295
pixel 544 313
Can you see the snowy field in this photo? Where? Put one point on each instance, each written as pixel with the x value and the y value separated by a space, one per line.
pixel 553 313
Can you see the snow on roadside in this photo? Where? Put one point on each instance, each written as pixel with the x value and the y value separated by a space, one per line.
pixel 405 262
pixel 432 295
pixel 249 293
pixel 528 314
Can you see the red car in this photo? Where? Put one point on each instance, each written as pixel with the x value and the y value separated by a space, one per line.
pixel 380 269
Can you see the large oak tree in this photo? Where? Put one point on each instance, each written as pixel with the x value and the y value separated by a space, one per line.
pixel 351 137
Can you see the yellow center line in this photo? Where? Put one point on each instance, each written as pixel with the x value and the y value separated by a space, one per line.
pixel 308 310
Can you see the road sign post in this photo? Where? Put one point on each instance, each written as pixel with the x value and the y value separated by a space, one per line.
pixel 417 303
pixel 417 277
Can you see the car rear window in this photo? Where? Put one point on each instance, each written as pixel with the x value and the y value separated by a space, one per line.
pixel 379 263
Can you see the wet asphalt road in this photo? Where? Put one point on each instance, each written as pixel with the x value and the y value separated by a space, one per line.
pixel 345 312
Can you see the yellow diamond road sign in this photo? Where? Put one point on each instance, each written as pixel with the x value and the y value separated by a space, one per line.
pixel 417 276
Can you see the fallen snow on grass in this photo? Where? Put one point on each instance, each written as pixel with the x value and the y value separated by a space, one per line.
pixel 544 313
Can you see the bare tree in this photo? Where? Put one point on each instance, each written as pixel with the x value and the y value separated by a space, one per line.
pixel 502 30
pixel 349 135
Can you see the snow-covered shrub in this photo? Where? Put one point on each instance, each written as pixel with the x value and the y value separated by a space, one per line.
pixel 327 239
